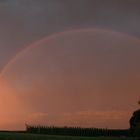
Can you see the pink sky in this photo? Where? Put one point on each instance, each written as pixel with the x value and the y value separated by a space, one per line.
pixel 87 78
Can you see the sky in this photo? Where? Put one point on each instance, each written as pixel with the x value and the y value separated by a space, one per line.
pixel 91 65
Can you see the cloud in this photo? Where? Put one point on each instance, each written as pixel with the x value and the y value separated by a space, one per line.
pixel 89 118
pixel 37 118
pixel 110 119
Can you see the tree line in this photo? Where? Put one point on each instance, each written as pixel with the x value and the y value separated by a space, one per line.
pixel 75 131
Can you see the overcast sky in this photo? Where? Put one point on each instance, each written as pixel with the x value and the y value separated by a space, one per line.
pixel 25 21
pixel 64 82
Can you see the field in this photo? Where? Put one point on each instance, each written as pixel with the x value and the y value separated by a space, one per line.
pixel 22 136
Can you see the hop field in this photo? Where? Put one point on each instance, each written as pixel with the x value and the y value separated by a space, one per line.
pixel 23 136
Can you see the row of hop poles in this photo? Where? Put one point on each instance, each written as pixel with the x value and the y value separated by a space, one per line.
pixel 74 131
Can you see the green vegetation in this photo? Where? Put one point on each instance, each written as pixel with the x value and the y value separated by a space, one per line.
pixel 22 136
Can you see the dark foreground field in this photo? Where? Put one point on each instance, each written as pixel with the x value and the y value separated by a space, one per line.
pixel 22 136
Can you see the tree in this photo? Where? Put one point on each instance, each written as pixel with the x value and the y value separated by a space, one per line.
pixel 135 123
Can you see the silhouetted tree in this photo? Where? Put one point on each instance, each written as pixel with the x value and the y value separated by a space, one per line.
pixel 135 123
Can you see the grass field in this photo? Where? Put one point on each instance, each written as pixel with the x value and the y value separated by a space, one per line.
pixel 20 136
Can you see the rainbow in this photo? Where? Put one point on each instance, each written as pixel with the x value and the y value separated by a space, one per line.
pixel 51 37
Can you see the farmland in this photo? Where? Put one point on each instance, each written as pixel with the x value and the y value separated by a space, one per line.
pixel 24 136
